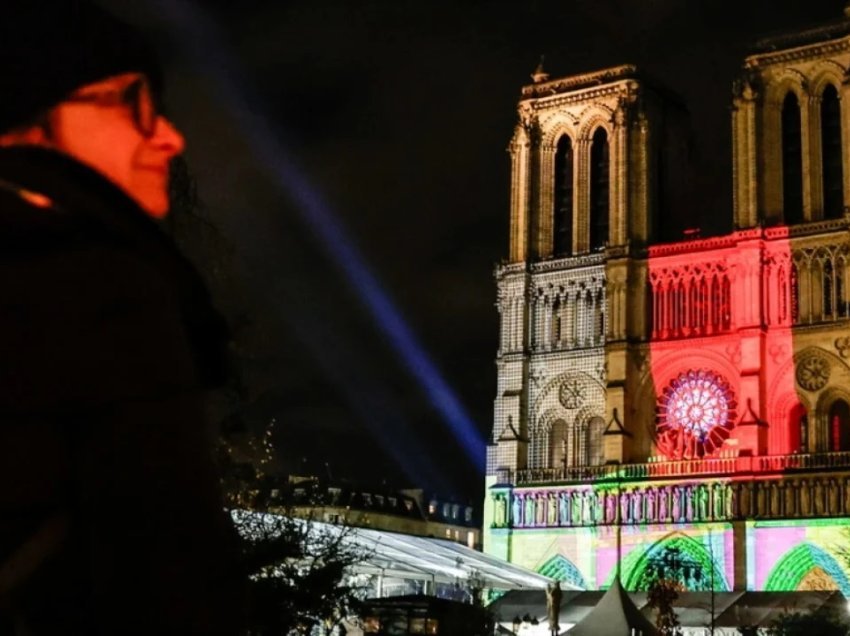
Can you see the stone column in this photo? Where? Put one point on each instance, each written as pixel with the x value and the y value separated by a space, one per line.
pixel 519 221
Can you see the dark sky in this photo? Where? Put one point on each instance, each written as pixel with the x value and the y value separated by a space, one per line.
pixel 398 113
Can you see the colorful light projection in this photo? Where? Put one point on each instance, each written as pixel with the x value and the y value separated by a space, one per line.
pixel 780 556
pixel 701 558
pixel 561 568
pixel 807 566
pixel 696 412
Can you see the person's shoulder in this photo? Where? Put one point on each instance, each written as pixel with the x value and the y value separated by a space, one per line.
pixel 33 224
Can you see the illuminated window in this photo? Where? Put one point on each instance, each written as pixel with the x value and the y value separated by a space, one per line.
pixel 563 197
pixel 833 190
pixel 792 161
pixel 596 449
pixel 839 426
pixel 695 412
pixel 558 444
pixel 599 189
pixel 799 429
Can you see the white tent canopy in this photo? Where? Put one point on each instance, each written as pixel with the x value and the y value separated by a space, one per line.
pixel 411 558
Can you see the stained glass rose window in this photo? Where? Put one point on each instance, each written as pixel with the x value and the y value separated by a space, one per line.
pixel 695 413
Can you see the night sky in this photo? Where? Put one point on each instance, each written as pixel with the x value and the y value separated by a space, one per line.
pixel 398 115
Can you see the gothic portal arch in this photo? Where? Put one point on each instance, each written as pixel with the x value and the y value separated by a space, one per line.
pixel 800 566
pixel 561 568
pixel 698 573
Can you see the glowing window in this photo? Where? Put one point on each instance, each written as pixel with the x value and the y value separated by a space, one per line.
pixel 695 413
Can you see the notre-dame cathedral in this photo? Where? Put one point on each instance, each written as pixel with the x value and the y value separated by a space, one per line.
pixel 692 391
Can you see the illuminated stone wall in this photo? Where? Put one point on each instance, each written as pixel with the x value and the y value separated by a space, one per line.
pixel 695 393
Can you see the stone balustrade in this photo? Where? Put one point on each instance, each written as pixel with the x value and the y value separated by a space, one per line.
pixel 682 468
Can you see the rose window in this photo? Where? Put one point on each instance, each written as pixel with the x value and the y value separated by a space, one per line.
pixel 696 411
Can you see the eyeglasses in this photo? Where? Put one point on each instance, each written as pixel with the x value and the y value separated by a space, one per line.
pixel 136 96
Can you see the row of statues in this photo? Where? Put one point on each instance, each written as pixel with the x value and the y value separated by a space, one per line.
pixel 681 503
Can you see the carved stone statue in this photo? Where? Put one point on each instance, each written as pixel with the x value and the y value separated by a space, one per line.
pixel 637 507
pixel 553 606
pixel 564 508
pixel 650 505
pixel 610 508
pixel 717 509
pixel 541 509
pixel 552 510
pixel 576 512
pixel 501 511
pixel 677 504
pixel 624 507
pixel 517 520
pixel 731 502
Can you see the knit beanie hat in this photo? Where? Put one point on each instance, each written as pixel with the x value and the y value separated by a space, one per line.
pixel 50 48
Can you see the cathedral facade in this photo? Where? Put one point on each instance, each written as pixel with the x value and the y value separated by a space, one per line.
pixel 692 392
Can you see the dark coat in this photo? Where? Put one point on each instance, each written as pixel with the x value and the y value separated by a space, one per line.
pixel 108 341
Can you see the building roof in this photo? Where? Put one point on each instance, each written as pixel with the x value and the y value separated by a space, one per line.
pixel 441 561
pixel 409 557
pixel 731 609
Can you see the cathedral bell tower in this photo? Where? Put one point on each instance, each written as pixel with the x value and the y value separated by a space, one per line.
pixel 587 197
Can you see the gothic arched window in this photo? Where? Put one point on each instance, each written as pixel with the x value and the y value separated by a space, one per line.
pixel 792 161
pixel 726 304
pixel 599 189
pixel 795 294
pixel 599 318
pixel 557 326
pixel 840 292
pixel 558 444
pixel 799 421
pixel 828 286
pixel 716 304
pixel 596 432
pixel 833 188
pixel 563 239
pixel 839 426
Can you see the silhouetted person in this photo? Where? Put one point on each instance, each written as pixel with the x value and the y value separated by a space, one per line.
pixel 110 518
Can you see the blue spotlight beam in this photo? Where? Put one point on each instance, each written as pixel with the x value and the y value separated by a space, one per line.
pixel 194 28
